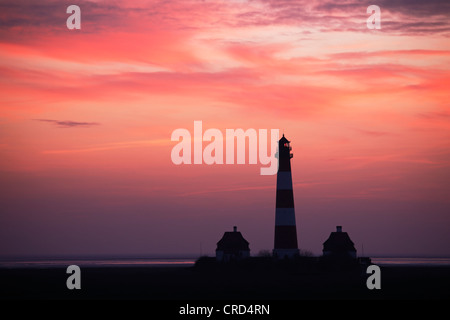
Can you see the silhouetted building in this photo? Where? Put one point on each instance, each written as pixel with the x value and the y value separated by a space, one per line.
pixel 339 246
pixel 232 246
pixel 285 242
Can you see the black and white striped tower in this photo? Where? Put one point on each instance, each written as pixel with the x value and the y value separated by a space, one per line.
pixel 285 244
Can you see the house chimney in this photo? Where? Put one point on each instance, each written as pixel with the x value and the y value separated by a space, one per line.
pixel 338 228
pixel 234 229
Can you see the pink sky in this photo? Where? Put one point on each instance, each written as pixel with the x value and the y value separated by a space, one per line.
pixel 86 118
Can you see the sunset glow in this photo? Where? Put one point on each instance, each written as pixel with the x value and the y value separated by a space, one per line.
pixel 86 118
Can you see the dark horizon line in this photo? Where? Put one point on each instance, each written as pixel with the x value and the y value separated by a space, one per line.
pixel 180 256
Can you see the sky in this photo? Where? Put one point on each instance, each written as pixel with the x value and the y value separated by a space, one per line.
pixel 86 118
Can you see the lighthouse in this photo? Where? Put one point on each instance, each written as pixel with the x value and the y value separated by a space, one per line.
pixel 285 244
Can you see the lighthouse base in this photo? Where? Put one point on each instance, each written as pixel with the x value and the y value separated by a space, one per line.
pixel 285 253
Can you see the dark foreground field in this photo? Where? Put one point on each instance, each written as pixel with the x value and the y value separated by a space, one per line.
pixel 180 283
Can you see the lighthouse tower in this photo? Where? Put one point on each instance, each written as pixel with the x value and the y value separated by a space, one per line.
pixel 285 228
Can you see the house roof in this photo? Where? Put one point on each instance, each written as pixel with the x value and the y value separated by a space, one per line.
pixel 232 241
pixel 339 242
pixel 284 140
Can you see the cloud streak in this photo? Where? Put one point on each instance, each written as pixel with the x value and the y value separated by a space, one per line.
pixel 68 123
pixel 111 146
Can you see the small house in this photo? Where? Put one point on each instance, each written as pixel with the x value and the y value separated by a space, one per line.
pixel 339 245
pixel 232 247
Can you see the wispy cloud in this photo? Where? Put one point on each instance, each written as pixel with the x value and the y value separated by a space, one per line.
pixel 398 16
pixel 434 115
pixel 373 133
pixel 302 184
pixel 110 146
pixel 226 189
pixel 68 123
